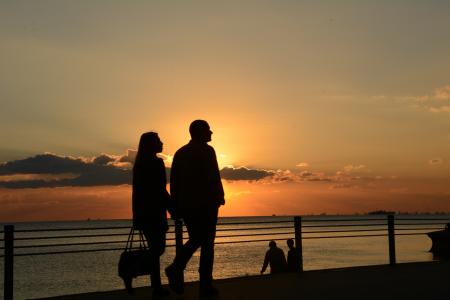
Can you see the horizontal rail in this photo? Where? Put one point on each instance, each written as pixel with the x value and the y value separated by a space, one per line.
pixel 242 235
pixel 248 235
pixel 342 220
pixel 416 224
pixel 240 229
pixel 255 228
pixel 345 225
pixel 72 229
pixel 70 244
pixel 72 252
pixel 124 241
pixel 418 228
pixel 225 242
pixel 217 243
pixel 422 219
pixel 255 222
pixel 341 231
pixel 342 236
pixel 250 241
pixel 68 236
pixel 412 233
pixel 242 223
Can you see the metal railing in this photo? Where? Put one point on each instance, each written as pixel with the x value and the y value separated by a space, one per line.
pixel 256 231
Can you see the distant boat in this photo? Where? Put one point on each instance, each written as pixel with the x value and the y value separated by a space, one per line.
pixel 441 241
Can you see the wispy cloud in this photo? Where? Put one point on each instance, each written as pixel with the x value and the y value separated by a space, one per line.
pixel 437 101
pixel 439 109
pixel 33 177
pixel 353 168
pixel 442 93
pixel 436 161
pixel 355 176
pixel 303 165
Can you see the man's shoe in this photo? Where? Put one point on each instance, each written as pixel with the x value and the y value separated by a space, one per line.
pixel 175 278
pixel 208 290
pixel 160 292
pixel 128 284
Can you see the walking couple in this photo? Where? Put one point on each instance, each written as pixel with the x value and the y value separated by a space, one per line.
pixel 196 195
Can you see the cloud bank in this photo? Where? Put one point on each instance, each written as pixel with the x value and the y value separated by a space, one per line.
pixel 51 170
pixel 94 172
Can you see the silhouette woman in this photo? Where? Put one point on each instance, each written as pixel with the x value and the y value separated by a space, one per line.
pixel 150 201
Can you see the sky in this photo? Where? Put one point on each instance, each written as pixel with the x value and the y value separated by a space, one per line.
pixel 316 106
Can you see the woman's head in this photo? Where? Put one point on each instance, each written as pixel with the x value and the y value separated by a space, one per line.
pixel 149 144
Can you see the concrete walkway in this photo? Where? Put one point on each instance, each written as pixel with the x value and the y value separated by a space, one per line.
pixel 410 281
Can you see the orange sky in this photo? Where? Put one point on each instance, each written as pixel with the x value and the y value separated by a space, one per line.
pixel 347 101
pixel 243 199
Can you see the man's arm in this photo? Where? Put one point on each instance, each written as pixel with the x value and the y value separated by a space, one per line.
pixel 174 187
pixel 218 188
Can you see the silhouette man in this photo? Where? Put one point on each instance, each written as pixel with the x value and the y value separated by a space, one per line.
pixel 150 200
pixel 293 257
pixel 197 192
pixel 275 258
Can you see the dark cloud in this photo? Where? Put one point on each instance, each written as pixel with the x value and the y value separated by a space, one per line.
pixel 43 164
pixel 243 173
pixel 103 159
pixel 88 173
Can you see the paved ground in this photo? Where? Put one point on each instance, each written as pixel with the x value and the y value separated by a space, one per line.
pixel 405 281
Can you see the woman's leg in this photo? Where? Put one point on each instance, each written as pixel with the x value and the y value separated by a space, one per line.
pixel 156 241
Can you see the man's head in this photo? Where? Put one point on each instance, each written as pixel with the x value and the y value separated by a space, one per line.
pixel 199 130
pixel 272 244
pixel 290 243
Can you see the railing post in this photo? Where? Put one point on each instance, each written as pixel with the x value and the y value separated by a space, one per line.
pixel 298 240
pixel 9 262
pixel 178 237
pixel 391 235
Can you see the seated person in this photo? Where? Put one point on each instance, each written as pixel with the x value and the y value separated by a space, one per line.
pixel 293 258
pixel 275 258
